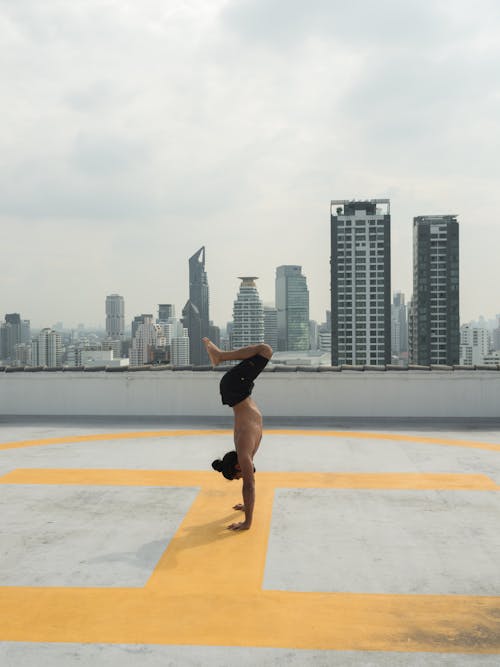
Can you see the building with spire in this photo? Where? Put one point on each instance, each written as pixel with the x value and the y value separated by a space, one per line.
pixel 195 314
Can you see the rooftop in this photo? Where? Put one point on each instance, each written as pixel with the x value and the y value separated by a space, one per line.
pixel 374 543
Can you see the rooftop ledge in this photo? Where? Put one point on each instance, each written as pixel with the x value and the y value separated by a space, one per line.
pixel 279 368
pixel 449 392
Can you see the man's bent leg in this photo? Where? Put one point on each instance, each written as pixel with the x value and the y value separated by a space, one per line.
pixel 217 355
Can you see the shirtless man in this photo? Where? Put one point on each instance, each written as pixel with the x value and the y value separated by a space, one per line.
pixel 235 388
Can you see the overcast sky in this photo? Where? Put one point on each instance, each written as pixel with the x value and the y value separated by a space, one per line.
pixel 132 133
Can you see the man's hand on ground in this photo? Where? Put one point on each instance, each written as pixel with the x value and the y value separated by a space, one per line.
pixel 243 525
pixel 239 506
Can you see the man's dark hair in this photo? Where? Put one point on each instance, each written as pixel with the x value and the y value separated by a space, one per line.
pixel 227 465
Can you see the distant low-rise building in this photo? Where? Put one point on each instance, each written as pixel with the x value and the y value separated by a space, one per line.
pixel 102 358
pixel 475 344
pixel 492 359
pixel 149 337
pixel 22 354
pixel 179 350
pixel 46 349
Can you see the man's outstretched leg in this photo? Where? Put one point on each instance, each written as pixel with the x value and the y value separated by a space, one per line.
pixel 217 355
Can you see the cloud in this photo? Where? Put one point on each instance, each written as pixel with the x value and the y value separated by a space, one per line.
pixel 233 124
pixel 355 24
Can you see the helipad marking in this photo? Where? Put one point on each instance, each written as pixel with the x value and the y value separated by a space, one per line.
pixel 364 435
pixel 288 480
pixel 207 587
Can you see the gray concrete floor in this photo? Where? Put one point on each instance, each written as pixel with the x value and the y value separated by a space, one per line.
pixel 376 541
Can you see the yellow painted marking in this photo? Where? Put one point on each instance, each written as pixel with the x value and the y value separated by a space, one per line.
pixel 96 437
pixel 289 480
pixel 364 435
pixel 207 587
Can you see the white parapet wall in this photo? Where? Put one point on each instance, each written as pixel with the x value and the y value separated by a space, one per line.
pixel 448 394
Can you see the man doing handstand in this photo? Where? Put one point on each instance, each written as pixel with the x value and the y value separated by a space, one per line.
pixel 236 388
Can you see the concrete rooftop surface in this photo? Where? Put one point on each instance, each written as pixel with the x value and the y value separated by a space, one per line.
pixel 373 543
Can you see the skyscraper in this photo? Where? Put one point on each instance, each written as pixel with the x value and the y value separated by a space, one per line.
pixel 165 312
pixel 361 281
pixel 435 309
pixel 248 315
pixel 271 326
pixel 195 314
pixel 115 317
pixel 292 304
pixel 399 324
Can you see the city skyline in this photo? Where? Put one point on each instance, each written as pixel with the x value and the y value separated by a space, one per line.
pixel 135 133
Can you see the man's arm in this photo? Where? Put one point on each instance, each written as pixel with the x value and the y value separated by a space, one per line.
pixel 248 492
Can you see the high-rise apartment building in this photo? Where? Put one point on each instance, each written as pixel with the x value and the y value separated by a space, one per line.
pixel 115 317
pixel 248 315
pixel 46 349
pixel 435 336
pixel 195 314
pixel 361 282
pixel 292 305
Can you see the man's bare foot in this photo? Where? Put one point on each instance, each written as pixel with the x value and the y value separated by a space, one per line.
pixel 212 351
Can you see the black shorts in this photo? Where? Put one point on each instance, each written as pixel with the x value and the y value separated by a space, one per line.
pixel 237 383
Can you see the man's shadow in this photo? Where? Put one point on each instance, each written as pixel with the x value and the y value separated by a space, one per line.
pixel 198 535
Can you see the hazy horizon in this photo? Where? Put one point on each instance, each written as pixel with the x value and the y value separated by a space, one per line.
pixel 133 134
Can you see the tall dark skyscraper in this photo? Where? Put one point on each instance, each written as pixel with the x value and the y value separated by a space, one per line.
pixel 435 317
pixel 292 305
pixel 195 314
pixel 165 312
pixel 361 282
pixel 10 335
